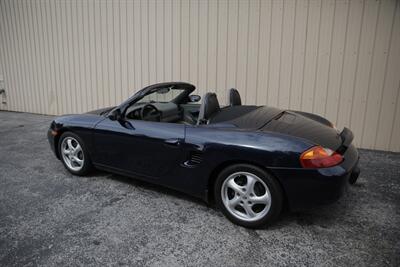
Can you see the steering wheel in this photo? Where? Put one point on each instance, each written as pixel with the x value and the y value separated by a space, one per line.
pixel 150 113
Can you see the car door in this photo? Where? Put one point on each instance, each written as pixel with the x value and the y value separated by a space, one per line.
pixel 145 148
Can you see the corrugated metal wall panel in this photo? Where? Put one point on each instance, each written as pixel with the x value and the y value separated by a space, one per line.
pixel 337 58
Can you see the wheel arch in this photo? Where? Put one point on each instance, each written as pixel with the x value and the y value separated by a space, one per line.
pixel 210 198
pixel 60 132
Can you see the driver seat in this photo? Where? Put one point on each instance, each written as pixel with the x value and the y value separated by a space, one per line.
pixel 209 107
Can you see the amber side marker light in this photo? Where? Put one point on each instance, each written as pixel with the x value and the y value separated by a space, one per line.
pixel 320 157
pixel 54 133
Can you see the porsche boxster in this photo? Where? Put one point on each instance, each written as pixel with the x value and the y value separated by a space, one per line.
pixel 250 161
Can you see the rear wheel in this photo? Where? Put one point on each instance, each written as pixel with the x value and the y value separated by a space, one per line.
pixel 73 154
pixel 248 195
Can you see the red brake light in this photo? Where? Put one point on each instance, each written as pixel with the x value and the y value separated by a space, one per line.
pixel 320 157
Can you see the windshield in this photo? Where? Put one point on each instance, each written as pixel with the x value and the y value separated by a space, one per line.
pixel 162 95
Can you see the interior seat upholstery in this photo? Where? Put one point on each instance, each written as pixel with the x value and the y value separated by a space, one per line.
pixel 189 119
pixel 234 97
pixel 209 107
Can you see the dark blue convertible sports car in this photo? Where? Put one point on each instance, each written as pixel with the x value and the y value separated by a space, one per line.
pixel 251 161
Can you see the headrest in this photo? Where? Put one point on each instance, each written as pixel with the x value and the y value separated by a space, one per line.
pixel 209 106
pixel 234 97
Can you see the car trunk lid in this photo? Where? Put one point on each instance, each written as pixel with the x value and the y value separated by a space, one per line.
pixel 295 124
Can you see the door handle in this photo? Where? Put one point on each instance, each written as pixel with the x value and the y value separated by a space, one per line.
pixel 127 125
pixel 172 142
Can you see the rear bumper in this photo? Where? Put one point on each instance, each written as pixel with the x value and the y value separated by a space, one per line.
pixel 306 188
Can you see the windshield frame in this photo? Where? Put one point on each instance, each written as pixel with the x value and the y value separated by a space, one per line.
pixel 155 92
pixel 187 89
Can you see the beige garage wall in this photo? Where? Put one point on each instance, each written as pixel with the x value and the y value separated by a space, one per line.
pixel 340 59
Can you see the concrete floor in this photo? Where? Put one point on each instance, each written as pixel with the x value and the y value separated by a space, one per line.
pixel 49 217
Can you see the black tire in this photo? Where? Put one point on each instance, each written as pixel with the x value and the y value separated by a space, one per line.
pixel 87 163
pixel 275 190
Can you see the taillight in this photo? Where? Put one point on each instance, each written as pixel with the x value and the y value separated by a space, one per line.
pixel 320 157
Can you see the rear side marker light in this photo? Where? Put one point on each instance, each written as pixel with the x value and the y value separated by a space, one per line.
pixel 320 157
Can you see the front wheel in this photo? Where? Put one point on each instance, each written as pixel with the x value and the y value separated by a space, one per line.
pixel 248 195
pixel 73 154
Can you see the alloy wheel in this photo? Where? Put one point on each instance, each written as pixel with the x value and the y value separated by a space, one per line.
pixel 246 196
pixel 72 153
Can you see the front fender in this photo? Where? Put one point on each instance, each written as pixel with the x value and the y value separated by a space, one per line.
pixel 82 125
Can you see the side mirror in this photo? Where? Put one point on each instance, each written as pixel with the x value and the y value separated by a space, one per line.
pixel 194 98
pixel 115 115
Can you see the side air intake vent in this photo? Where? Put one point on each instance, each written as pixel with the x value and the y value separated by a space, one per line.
pixel 195 159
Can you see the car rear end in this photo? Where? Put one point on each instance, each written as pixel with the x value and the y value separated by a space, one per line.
pixel 323 170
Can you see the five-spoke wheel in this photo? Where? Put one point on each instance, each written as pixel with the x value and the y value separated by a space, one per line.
pixel 248 195
pixel 73 154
